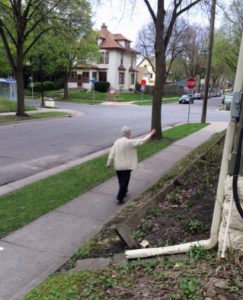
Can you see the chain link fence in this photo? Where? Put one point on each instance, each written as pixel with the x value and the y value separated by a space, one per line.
pixel 8 88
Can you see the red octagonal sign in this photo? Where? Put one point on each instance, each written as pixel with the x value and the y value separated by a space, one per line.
pixel 190 83
pixel 143 82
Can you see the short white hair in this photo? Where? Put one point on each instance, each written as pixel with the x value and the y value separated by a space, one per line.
pixel 126 130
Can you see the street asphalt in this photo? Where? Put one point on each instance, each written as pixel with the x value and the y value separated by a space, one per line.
pixel 29 148
pixel 31 254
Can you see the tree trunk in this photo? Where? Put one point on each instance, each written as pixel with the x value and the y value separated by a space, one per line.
pixel 20 91
pixel 19 73
pixel 199 84
pixel 208 69
pixel 158 93
pixel 160 73
pixel 66 94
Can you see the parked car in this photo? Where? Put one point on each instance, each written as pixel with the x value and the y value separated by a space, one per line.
pixel 186 99
pixel 227 99
pixel 212 94
pixel 197 96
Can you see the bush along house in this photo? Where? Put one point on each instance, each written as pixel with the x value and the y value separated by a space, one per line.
pixel 116 65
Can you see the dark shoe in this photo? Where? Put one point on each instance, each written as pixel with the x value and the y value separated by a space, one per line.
pixel 119 202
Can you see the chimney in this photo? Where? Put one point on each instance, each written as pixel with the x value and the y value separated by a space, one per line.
pixel 104 27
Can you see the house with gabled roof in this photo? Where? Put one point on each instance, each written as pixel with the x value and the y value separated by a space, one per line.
pixel 146 70
pixel 117 63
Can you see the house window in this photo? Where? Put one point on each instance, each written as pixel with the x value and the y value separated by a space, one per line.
pixel 121 78
pixel 127 44
pixel 132 78
pixel 85 77
pixel 94 75
pixel 151 75
pixel 132 62
pixel 102 76
pixel 104 58
pixel 122 56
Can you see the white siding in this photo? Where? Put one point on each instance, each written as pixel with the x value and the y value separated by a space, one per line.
pixel 112 69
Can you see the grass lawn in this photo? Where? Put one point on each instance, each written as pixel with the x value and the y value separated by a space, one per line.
pixel 27 204
pixel 165 100
pixel 10 106
pixel 97 97
pixel 9 119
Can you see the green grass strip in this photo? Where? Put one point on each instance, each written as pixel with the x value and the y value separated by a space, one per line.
pixel 11 106
pixel 97 97
pixel 149 102
pixel 27 204
pixel 44 115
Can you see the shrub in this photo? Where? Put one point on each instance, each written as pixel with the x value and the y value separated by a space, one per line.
pixel 102 86
pixel 148 89
pixel 47 86
pixel 193 225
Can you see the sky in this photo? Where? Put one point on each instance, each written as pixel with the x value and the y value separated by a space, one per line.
pixel 127 20
pixel 122 19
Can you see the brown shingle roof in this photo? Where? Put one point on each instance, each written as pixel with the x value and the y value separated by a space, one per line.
pixel 111 41
pixel 120 37
pixel 121 68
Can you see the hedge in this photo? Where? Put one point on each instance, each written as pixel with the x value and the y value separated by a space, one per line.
pixel 102 86
pixel 47 86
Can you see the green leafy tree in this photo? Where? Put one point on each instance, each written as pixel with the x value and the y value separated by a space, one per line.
pixel 23 23
pixel 230 34
pixel 5 68
pixel 220 69
pixel 60 53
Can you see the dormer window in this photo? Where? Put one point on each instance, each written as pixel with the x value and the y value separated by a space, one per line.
pixel 127 44
pixel 100 41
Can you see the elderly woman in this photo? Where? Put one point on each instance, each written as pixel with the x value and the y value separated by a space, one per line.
pixel 124 156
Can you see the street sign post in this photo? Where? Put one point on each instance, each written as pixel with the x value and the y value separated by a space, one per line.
pixel 93 81
pixel 143 83
pixel 190 84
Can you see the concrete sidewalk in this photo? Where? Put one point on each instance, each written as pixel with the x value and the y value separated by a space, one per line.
pixel 38 110
pixel 32 253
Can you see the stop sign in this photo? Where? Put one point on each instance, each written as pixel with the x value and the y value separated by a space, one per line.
pixel 190 83
pixel 143 82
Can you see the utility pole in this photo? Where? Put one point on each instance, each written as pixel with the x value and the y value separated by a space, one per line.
pixel 209 59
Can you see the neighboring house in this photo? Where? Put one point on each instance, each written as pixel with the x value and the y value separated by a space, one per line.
pixel 146 71
pixel 117 64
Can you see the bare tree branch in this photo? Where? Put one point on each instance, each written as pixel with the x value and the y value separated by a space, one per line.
pixel 186 8
pixel 151 11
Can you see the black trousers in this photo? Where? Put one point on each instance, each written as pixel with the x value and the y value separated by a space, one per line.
pixel 123 179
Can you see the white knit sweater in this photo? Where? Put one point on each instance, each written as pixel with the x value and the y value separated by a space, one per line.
pixel 124 153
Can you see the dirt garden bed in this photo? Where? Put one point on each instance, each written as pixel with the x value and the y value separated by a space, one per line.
pixel 185 214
